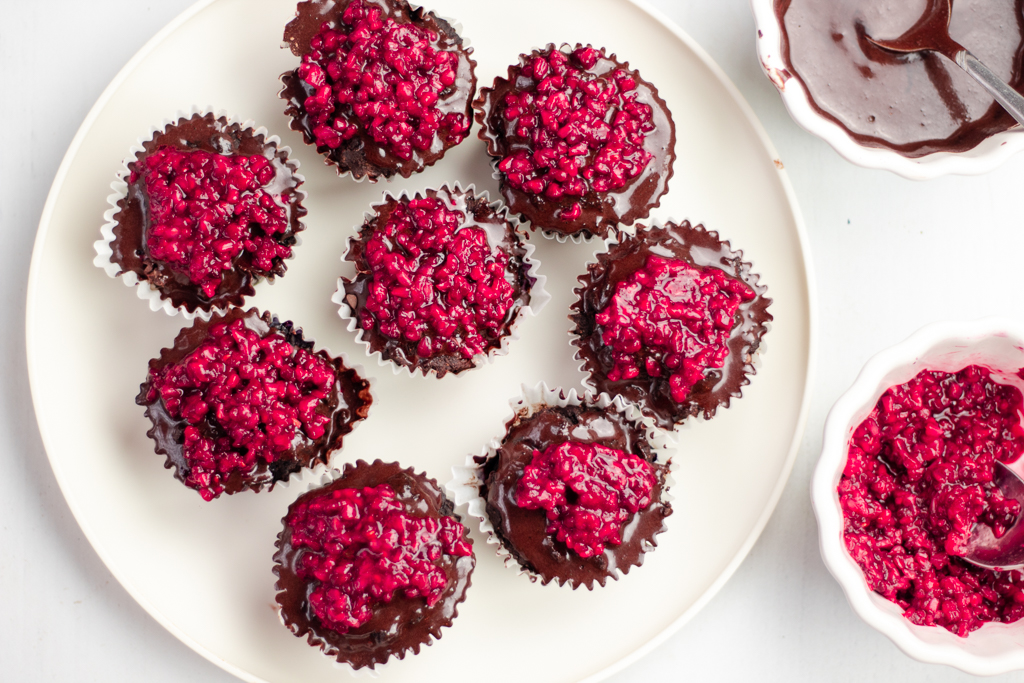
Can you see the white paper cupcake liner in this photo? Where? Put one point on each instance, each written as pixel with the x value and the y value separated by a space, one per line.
pixel 103 246
pixel 464 488
pixel 539 296
pixel 588 382
pixel 326 478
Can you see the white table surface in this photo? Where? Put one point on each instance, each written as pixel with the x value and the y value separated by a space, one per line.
pixel 890 255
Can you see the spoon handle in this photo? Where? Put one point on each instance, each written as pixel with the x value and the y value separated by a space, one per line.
pixel 1010 99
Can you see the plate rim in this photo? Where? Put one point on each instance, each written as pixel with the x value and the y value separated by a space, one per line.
pixel 809 282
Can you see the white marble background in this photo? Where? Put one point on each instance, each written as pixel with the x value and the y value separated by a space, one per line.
pixel 890 256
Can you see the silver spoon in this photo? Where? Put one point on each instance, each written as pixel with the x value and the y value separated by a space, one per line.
pixel 931 32
pixel 1007 551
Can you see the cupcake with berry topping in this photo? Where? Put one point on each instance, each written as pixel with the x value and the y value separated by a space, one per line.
pixel 580 142
pixel 442 281
pixel 203 210
pixel 372 565
pixel 670 319
pixel 575 491
pixel 242 401
pixel 383 89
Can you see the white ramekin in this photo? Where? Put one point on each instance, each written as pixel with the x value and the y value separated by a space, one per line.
pixel 996 343
pixel 986 156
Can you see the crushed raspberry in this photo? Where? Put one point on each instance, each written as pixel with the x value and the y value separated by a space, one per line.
pixel 672 319
pixel 571 131
pixel 382 76
pixel 252 394
pixel 588 491
pixel 918 478
pixel 435 283
pixel 363 548
pixel 206 210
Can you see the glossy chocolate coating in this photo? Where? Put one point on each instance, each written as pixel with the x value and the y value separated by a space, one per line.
pixel 215 135
pixel 362 156
pixel 914 104
pixel 349 403
pixel 479 214
pixel 398 626
pixel 698 247
pixel 523 532
pixel 601 211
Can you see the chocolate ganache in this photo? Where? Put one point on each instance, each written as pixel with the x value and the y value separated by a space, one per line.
pixel 916 103
pixel 523 531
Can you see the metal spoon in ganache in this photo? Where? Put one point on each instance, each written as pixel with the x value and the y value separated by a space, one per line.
pixel 931 32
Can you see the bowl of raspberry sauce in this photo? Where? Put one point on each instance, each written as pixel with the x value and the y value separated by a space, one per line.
pixel 916 115
pixel 906 472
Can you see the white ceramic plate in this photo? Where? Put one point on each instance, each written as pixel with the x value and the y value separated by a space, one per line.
pixel 203 569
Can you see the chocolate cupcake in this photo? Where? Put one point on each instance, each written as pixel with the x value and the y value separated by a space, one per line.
pixel 442 279
pixel 670 319
pixel 372 565
pixel 242 401
pixel 575 492
pixel 204 210
pixel 580 142
pixel 383 89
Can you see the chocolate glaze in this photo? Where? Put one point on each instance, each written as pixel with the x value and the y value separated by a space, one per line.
pixel 349 403
pixel 501 235
pixel 362 156
pixel 701 248
pixel 914 104
pixel 399 626
pixel 523 532
pixel 209 134
pixel 601 211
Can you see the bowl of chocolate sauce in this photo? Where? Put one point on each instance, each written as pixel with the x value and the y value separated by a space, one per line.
pixel 917 115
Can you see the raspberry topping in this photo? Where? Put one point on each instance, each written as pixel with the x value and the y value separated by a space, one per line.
pixel 588 492
pixel 671 318
pixel 363 548
pixel 387 77
pixel 436 280
pixel 573 129
pixel 207 211
pixel 918 478
pixel 244 399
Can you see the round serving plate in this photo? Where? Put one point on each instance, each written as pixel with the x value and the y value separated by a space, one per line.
pixel 203 570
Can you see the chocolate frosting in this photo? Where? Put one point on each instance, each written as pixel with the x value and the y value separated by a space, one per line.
pixel 210 134
pixel 601 211
pixel 523 532
pixel 914 104
pixel 348 404
pixel 362 156
pixel 698 247
pixel 501 234
pixel 398 626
